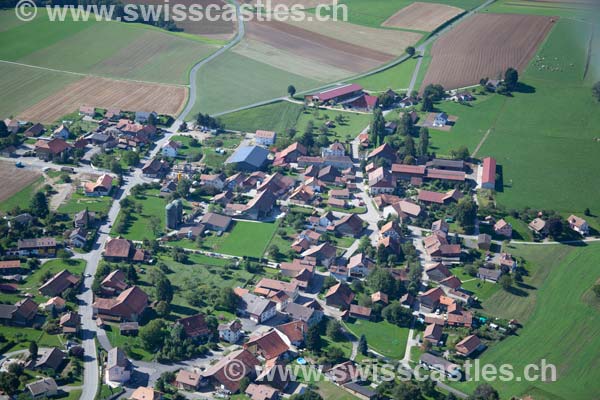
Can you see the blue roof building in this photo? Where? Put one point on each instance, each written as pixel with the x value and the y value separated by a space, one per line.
pixel 248 158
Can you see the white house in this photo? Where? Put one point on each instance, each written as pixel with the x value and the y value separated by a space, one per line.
pixel 78 238
pixel 265 138
pixel 231 332
pixel 118 367
pixel 440 120
pixel 579 225
pixel 503 228
pixel 62 132
pixel 169 149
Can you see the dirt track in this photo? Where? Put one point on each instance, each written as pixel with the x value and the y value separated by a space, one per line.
pixel 484 46
pixel 105 93
pixel 422 16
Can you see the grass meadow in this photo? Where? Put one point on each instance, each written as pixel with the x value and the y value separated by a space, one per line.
pixel 559 324
pixel 397 77
pixel 385 338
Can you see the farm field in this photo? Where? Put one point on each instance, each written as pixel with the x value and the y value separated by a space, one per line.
pixel 422 16
pixel 18 186
pixel 106 93
pixel 574 341
pixel 583 10
pixel 485 45
pixel 396 77
pixel 250 80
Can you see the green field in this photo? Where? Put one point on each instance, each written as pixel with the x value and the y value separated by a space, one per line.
pixel 22 198
pixel 79 202
pixel 396 77
pixel 137 229
pixel 231 81
pixel 385 338
pixel 561 9
pixel 559 325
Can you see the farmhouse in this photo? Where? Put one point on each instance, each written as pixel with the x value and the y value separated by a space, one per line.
pixel 186 380
pixel 437 272
pixel 59 283
pixel 216 222
pixel 231 332
pixel 381 181
pixel 267 287
pixel 359 312
pixel 335 149
pixel 248 158
pixel 119 249
pixel 267 346
pixel 265 138
pixel 503 228
pixel 238 364
pixel 360 265
pixel 195 327
pixel 261 392
pixel 155 168
pixel 385 151
pixel 128 306
pixel 365 102
pixel 339 295
pixel 62 132
pixel 21 313
pixel 258 309
pixel 430 361
pixel 35 130
pixel 488 177
pixel 427 196
pixel 290 154
pixel 336 95
pixel 538 226
pixel 50 149
pixel 43 388
pixel 40 247
pixel 170 149
pixel 440 120
pixel 431 298
pixel 118 367
pixel 469 345
pixel 579 225
pixel 408 172
pixel 433 333
pixel 490 275
pixel 52 358
pixel 348 225
pixel 101 187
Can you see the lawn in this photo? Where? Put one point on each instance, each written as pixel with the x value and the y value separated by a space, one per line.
pixel 137 229
pixel 79 202
pixel 244 238
pixel 186 149
pixel 231 81
pixel 353 123
pixel 570 327
pixel 136 349
pixel 21 337
pixel 396 78
pixel 276 117
pixel 483 290
pixel 383 337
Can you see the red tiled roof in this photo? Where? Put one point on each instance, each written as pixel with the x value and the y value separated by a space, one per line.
pixel 337 92
pixel 489 170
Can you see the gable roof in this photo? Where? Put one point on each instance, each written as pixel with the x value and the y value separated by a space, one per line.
pixel 253 155
pixel 269 344
pixel 194 325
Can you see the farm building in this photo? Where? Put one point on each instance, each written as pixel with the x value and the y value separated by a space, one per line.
pixel 488 178
pixel 248 158
pixel 265 138
pixel 336 95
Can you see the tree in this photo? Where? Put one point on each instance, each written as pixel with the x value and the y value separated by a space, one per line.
pixel 505 281
pixel 33 351
pixel 556 227
pixel 596 289
pixel 334 330
pixel 511 78
pixel 596 91
pixel 39 205
pixel 291 90
pixel 9 383
pixel 228 300
pixel 410 51
pixel 153 334
pixel 434 92
pixel 466 211
pixel 307 395
pixel 164 289
pixel 313 339
pixel 163 309
pixel 485 391
pixel 377 127
pixel 396 314
pixel 409 146
pixel 427 104
pixel 423 147
pixel 362 345
pixel 462 153
pixel 3 130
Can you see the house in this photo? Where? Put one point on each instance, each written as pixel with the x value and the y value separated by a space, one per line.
pixel 101 187
pixel 170 149
pixel 451 282
pixel 248 158
pixel 119 249
pixel 267 287
pixel 298 312
pixel 365 103
pixel 579 225
pixel 433 333
pixel 118 367
pixel 84 219
pixel 62 132
pixel 60 282
pixel 295 331
pixel 195 327
pixel 55 304
pixel 87 111
pixel 440 120
pixel 381 181
pixel 127 306
pixel 379 298
pixel 324 254
pixel 339 193
pixel 258 309
pixel 437 272
pixel 112 114
pixel 488 176
pixel 291 153
pixel 329 174
pixel 261 392
pixel 335 95
pixel 336 149
pixel 385 151
pixel 44 388
pixel 216 222
pixel 503 228
pixel 538 226
pixel 431 298
pixel 489 275
pixel 70 322
pixel 155 168
pixel 345 372
pixel 360 265
pixel 44 247
pixel 186 380
pixel 484 241
pixel 265 138
pixel 11 267
pixel 429 361
pixel 456 316
pixel 348 225
pixel 216 181
pixel 359 391
pixel 49 149
pixel 231 332
pixel 230 369
pixel 269 345
pixel 143 117
pixel 437 247
pixel 469 345
pixel 404 209
pixel 391 229
pixel 426 196
pixel 359 312
pixel 445 175
pixel 145 393
pixel 446 165
pixel 260 206
pixel 115 282
pixel 52 358
pixel 339 295
pixel 277 184
pixel 462 97
pixel 21 313
pixel 35 130
pixel 408 101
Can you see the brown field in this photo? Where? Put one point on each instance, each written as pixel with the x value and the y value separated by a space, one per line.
pixel 217 29
pixel 422 16
pixel 105 93
pixel 304 3
pixel 317 47
pixel 485 45
pixel 384 40
pixel 14 179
